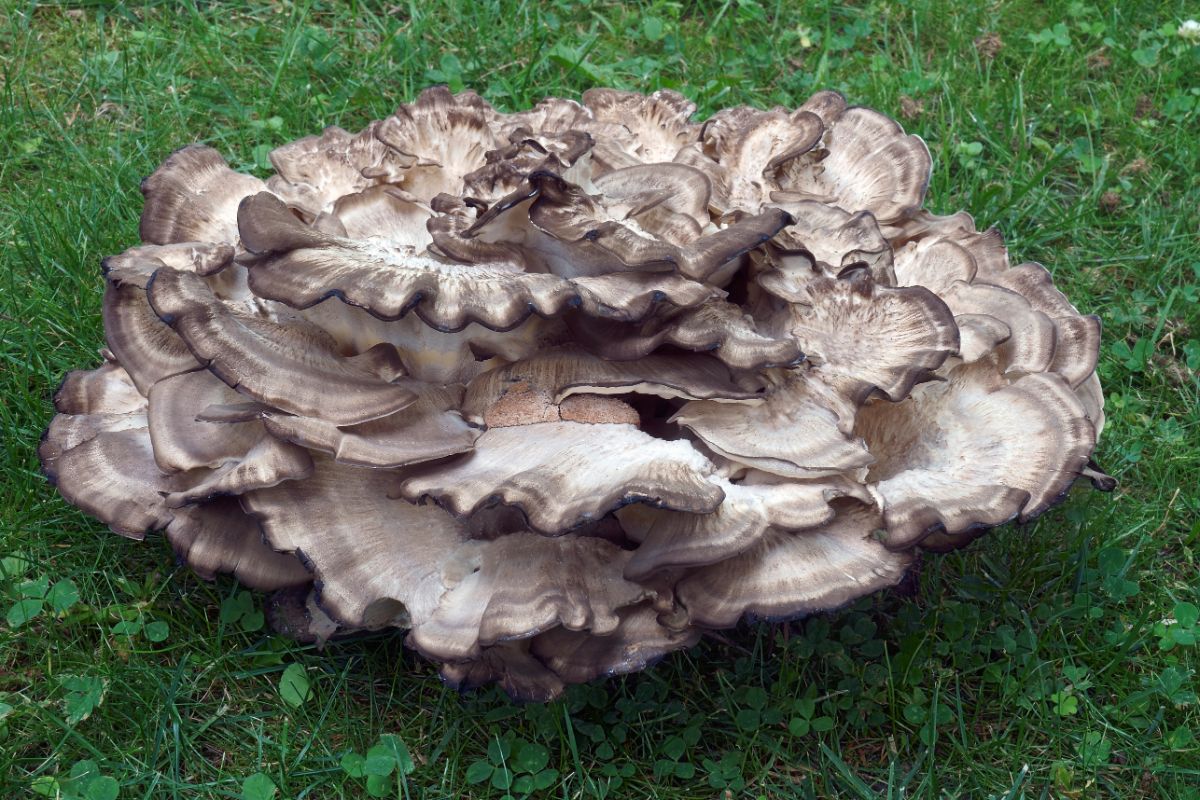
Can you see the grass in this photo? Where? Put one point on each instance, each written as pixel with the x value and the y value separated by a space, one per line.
pixel 1053 661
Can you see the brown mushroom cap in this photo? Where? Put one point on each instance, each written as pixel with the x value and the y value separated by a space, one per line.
pixel 790 574
pixel 316 171
pixel 889 338
pixel 639 129
pixel 947 459
pixel 678 539
pixel 563 474
pixel 193 197
pixel 218 537
pixel 288 366
pixel 113 477
pixel 871 165
pixel 445 135
pixel 801 429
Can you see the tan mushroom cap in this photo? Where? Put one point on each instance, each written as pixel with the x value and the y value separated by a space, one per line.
pixel 791 574
pixel 588 237
pixel 524 584
pixel 564 474
pixel 184 442
pixel 552 115
pixel 315 171
pixel 637 642
pixel 267 463
pixel 382 211
pixel 871 165
pixel 677 539
pixel 889 338
pixel 147 347
pixel 986 248
pixel 937 264
pixel 193 197
pixel 415 567
pixel 69 430
pixel 291 367
pixel 429 429
pixel 731 335
pixel 1077 337
pixel 91 402
pixel 633 128
pixel 800 430
pixel 302 267
pixel 834 238
pixel 979 335
pixel 447 135
pixel 113 477
pixel 509 664
pixel 218 537
pixel 376 561
pixel 750 149
pixel 1031 343
pixel 108 389
pixel 974 450
pixel 137 264
pixel 567 153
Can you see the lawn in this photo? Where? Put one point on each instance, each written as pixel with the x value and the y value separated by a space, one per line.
pixel 1056 660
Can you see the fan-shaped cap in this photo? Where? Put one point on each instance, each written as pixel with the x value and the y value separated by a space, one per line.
pixel 871 166
pixel 447 135
pixel 429 429
pixel 509 664
pixel 148 348
pixel 791 574
pixel 302 267
pixel 1031 343
pixel 937 264
pixel 181 441
pixel 751 148
pixel 612 239
pixel 113 477
pixel 193 197
pixel 376 561
pixel 637 642
pixel 291 367
pixel 634 128
pixel 108 389
pixel 986 248
pixel 524 584
pixel 563 474
pixel 800 430
pixel 731 335
pixel 678 539
pixel 835 239
pixel 384 212
pixel 947 459
pixel 91 402
pixel 314 172
pixel 137 264
pixel 218 537
pixel 882 336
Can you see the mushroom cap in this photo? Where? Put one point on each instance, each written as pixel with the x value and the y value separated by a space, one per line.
pixel 556 392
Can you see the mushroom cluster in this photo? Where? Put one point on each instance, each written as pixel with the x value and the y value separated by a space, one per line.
pixel 558 391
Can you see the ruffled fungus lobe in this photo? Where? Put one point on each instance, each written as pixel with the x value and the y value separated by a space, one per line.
pixel 556 392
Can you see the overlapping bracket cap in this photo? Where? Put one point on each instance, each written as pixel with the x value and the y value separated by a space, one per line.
pixel 558 391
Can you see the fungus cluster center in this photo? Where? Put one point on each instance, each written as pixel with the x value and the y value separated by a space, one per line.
pixel 555 392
